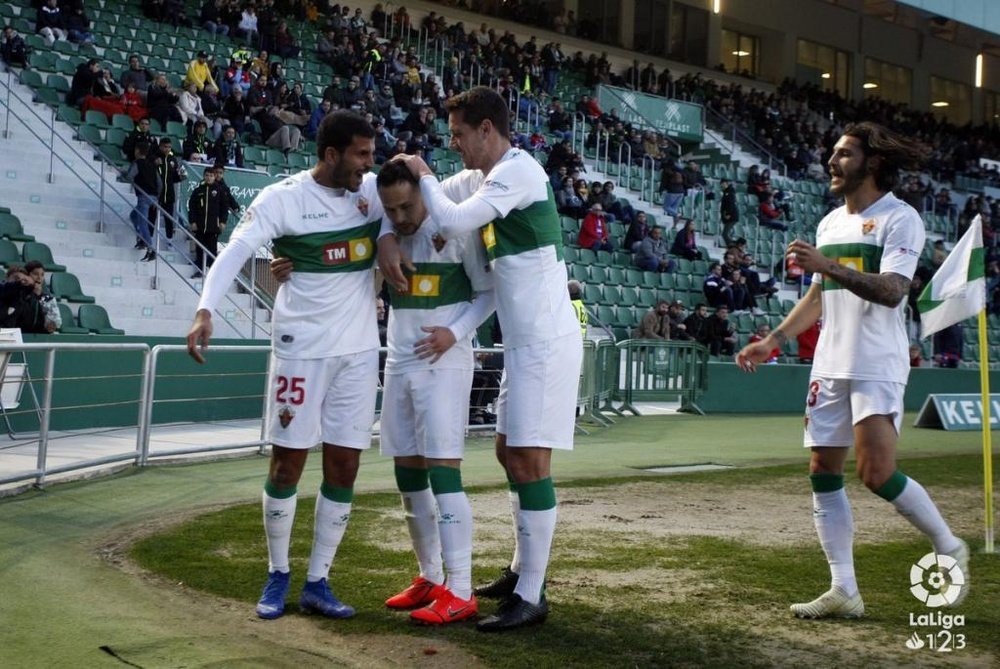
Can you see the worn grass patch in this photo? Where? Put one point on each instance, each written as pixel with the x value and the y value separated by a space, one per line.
pixel 621 595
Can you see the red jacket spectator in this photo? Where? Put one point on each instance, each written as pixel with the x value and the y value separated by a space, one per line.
pixel 594 231
pixel 807 343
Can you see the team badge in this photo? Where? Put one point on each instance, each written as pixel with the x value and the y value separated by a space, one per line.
pixel 363 206
pixel 285 416
pixel 868 226
pixel 438 242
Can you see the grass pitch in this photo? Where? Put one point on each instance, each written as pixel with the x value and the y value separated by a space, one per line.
pixel 624 596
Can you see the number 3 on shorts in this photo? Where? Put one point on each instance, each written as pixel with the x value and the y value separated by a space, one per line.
pixel 813 394
pixel 294 388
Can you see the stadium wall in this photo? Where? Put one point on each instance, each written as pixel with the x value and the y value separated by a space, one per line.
pixel 782 388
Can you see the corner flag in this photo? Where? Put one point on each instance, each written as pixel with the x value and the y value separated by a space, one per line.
pixel 958 290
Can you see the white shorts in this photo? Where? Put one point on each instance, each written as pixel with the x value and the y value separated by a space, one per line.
pixel 835 406
pixel 538 392
pixel 329 400
pixel 424 412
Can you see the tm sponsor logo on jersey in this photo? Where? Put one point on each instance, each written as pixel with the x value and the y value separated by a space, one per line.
pixel 354 250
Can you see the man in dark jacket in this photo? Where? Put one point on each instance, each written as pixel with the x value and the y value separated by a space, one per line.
pixel 19 305
pixel 142 174
pixel 198 145
pixel 13 50
pixel 205 218
pixel 696 324
pixel 169 172
pixel 83 81
pixel 228 150
pixel 228 204
pixel 728 212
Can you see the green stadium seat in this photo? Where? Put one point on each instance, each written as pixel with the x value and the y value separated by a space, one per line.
pixel 11 228
pixel 91 134
pixel 612 295
pixel 633 277
pixel 69 114
pixel 96 119
pixel 598 274
pixel 593 294
pixel 587 257
pixel 43 254
pixel 48 96
pixel 30 78
pixel 579 272
pixel 629 296
pixel 66 66
pixel 69 324
pixel 9 255
pixel 647 297
pixel 66 286
pixel 123 121
pixel 94 318
pixel 614 276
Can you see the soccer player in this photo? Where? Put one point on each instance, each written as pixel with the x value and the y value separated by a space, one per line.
pixel 430 355
pixel 865 255
pixel 324 344
pixel 514 209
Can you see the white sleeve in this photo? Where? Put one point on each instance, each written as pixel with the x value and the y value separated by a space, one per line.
pixel 223 271
pixel 455 219
pixel 473 314
pixel 904 242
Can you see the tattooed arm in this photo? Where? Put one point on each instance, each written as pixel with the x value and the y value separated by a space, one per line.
pixel 887 289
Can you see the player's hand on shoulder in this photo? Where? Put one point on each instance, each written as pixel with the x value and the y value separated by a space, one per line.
pixel 393 262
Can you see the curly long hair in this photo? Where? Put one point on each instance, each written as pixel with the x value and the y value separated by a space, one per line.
pixel 896 152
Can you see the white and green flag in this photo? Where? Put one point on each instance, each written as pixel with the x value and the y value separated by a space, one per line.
pixel 958 290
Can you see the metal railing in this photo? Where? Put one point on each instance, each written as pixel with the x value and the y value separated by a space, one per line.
pixel 67 149
pixel 653 371
pixel 739 139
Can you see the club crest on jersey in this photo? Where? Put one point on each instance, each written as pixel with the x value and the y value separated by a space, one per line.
pixel 246 220
pixel 868 226
pixel 438 242
pixel 363 206
pixel 285 416
pixel 354 250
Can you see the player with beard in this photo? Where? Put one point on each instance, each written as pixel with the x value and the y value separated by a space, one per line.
pixel 324 359
pixel 865 255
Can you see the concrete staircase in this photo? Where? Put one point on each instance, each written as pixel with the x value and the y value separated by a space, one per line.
pixel 96 241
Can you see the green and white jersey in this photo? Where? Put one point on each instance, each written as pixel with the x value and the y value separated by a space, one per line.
pixel 327 307
pixel 861 339
pixel 440 293
pixel 524 244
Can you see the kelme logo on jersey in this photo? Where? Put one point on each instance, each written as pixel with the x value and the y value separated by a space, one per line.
pixel 424 285
pixel 353 250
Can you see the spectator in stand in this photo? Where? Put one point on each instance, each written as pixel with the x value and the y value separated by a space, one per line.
pixel 944 205
pixel 620 209
pixel 916 356
pixel 189 106
pixel 19 304
pixel 655 324
pixel 685 243
pixel 768 215
pixel 993 287
pixel 652 253
pixel 938 255
pixel 754 285
pixel 87 74
pixel 199 73
pixel 948 346
pixel 51 318
pixel 228 150
pixel 137 75
pixel 696 324
pixel 198 146
pixel 237 76
pixel 317 116
pixel 161 101
pixel 695 184
pixel 247 29
pixel 729 212
pixel 234 110
pixel 13 50
pixel 807 340
pixel 170 171
pixel 49 23
pixel 721 334
pixel 678 330
pixel 267 24
pixel 672 185
pixel 78 26
pixel 763 330
pixel 568 202
pixel 139 135
pixel 379 19
pixel 211 17
pixel 594 230
pixel 142 175
pixel 285 44
pixel 756 184
pixel 637 231
pixel 205 216
pixel 718 290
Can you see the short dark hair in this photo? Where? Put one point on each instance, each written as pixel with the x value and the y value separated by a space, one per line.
pixel 338 129
pixel 32 265
pixel 480 104
pixel 896 152
pixel 165 140
pixel 394 172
